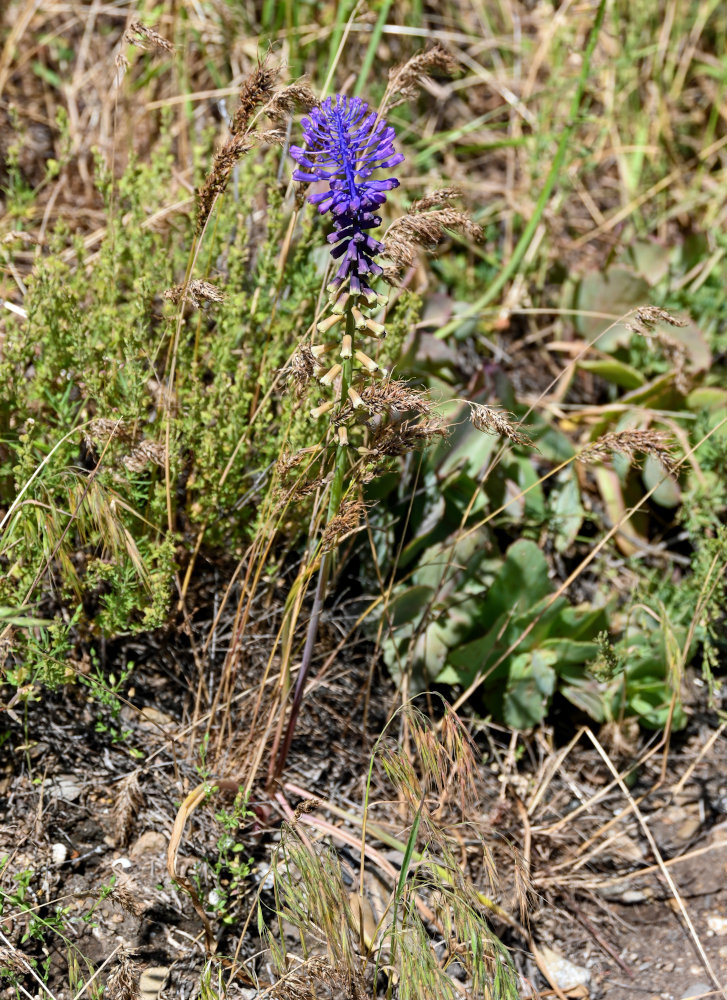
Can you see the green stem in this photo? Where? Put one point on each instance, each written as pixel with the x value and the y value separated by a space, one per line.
pixel 524 242
pixel 339 471
pixel 334 506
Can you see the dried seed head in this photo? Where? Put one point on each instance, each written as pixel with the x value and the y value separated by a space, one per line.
pixel 123 983
pixel 407 79
pixel 423 230
pixel 649 316
pixel 255 90
pixel 633 443
pixel 434 200
pixel 101 429
pixel 146 453
pixel 644 322
pixel 12 960
pixel 495 421
pixel 287 462
pixel 302 369
pixel 225 159
pixel 399 439
pixel 145 38
pixel 128 800
pixel 285 102
pixel 127 894
pixel 193 292
pixel 346 522
pixel 389 396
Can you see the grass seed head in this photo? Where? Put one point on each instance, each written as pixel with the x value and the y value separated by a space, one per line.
pixel 129 799
pixel 346 522
pixel 256 89
pixel 632 443
pixel 285 102
pixel 127 894
pixel 492 420
pixel 424 230
pixel 400 439
pixel 123 983
pixel 194 292
pixel 407 79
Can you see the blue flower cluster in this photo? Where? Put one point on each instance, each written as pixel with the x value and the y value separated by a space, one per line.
pixel 344 144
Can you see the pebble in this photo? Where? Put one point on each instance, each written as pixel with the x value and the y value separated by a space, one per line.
pixel 58 853
pixel 64 786
pixel 150 842
pixel 717 924
pixel 696 990
pixel 565 973
pixel 152 980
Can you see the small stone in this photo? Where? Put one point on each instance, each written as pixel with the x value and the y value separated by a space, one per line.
pixel 688 828
pixel 150 842
pixel 64 786
pixel 58 853
pixel 152 980
pixel 697 990
pixel 718 925
pixel 565 973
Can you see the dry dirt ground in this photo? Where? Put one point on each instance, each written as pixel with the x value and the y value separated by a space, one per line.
pixel 626 881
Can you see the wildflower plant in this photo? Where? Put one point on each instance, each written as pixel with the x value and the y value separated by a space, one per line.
pixel 348 151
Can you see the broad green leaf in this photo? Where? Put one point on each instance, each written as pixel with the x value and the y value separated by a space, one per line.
pixel 615 371
pixel 530 686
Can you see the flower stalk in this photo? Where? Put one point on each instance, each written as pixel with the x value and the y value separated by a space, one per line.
pixel 345 144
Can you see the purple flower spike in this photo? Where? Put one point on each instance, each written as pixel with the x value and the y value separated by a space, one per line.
pixel 345 144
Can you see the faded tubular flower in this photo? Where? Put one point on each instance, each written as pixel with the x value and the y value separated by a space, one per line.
pixel 344 144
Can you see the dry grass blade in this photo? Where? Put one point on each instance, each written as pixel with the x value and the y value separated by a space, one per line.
pixel 632 443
